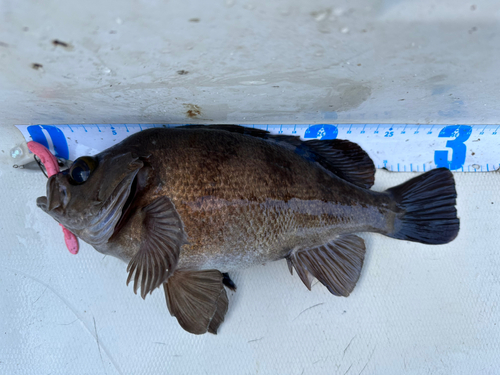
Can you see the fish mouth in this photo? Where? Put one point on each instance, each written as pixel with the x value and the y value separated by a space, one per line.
pixel 42 203
pixel 57 198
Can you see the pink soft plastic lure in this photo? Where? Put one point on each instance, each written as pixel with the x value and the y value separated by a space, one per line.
pixel 50 163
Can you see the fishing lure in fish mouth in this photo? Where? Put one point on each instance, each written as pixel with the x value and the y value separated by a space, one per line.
pixel 185 206
pixel 44 158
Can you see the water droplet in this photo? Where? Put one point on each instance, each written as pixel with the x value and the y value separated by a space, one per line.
pixel 16 152
pixel 476 166
pixel 344 30
pixel 118 21
pixel 106 70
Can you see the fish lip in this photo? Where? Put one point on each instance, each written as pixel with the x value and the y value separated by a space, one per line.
pixel 42 203
pixel 58 195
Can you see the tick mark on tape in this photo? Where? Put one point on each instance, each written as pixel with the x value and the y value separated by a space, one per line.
pixel 448 146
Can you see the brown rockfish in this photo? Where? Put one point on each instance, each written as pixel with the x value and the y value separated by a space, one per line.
pixel 186 205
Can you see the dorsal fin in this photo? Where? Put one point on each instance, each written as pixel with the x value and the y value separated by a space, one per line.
pixel 343 158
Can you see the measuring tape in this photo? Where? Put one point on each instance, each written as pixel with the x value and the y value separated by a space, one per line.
pixel 397 147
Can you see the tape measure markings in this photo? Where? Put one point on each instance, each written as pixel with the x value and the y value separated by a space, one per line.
pixel 397 147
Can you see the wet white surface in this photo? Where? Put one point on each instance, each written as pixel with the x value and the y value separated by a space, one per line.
pixel 254 61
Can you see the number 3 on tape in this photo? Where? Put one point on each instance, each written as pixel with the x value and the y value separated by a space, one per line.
pixel 460 133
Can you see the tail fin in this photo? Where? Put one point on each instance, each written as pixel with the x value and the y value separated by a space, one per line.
pixel 430 215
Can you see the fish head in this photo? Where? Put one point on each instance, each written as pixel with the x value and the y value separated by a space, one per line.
pixel 89 198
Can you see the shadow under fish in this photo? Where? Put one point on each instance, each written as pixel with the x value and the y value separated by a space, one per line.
pixel 185 206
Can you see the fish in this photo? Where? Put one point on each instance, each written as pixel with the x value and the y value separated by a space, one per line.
pixel 186 206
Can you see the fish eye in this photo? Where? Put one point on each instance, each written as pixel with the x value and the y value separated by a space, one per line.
pixel 81 169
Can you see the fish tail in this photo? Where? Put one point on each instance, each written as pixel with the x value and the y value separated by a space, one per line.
pixel 428 201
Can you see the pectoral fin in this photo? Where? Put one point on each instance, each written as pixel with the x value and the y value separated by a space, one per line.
pixel 337 264
pixel 163 237
pixel 197 299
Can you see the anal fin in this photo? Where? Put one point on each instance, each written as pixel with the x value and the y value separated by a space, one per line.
pixel 336 264
pixel 197 299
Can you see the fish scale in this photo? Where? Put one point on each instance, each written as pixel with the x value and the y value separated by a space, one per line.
pixel 396 147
